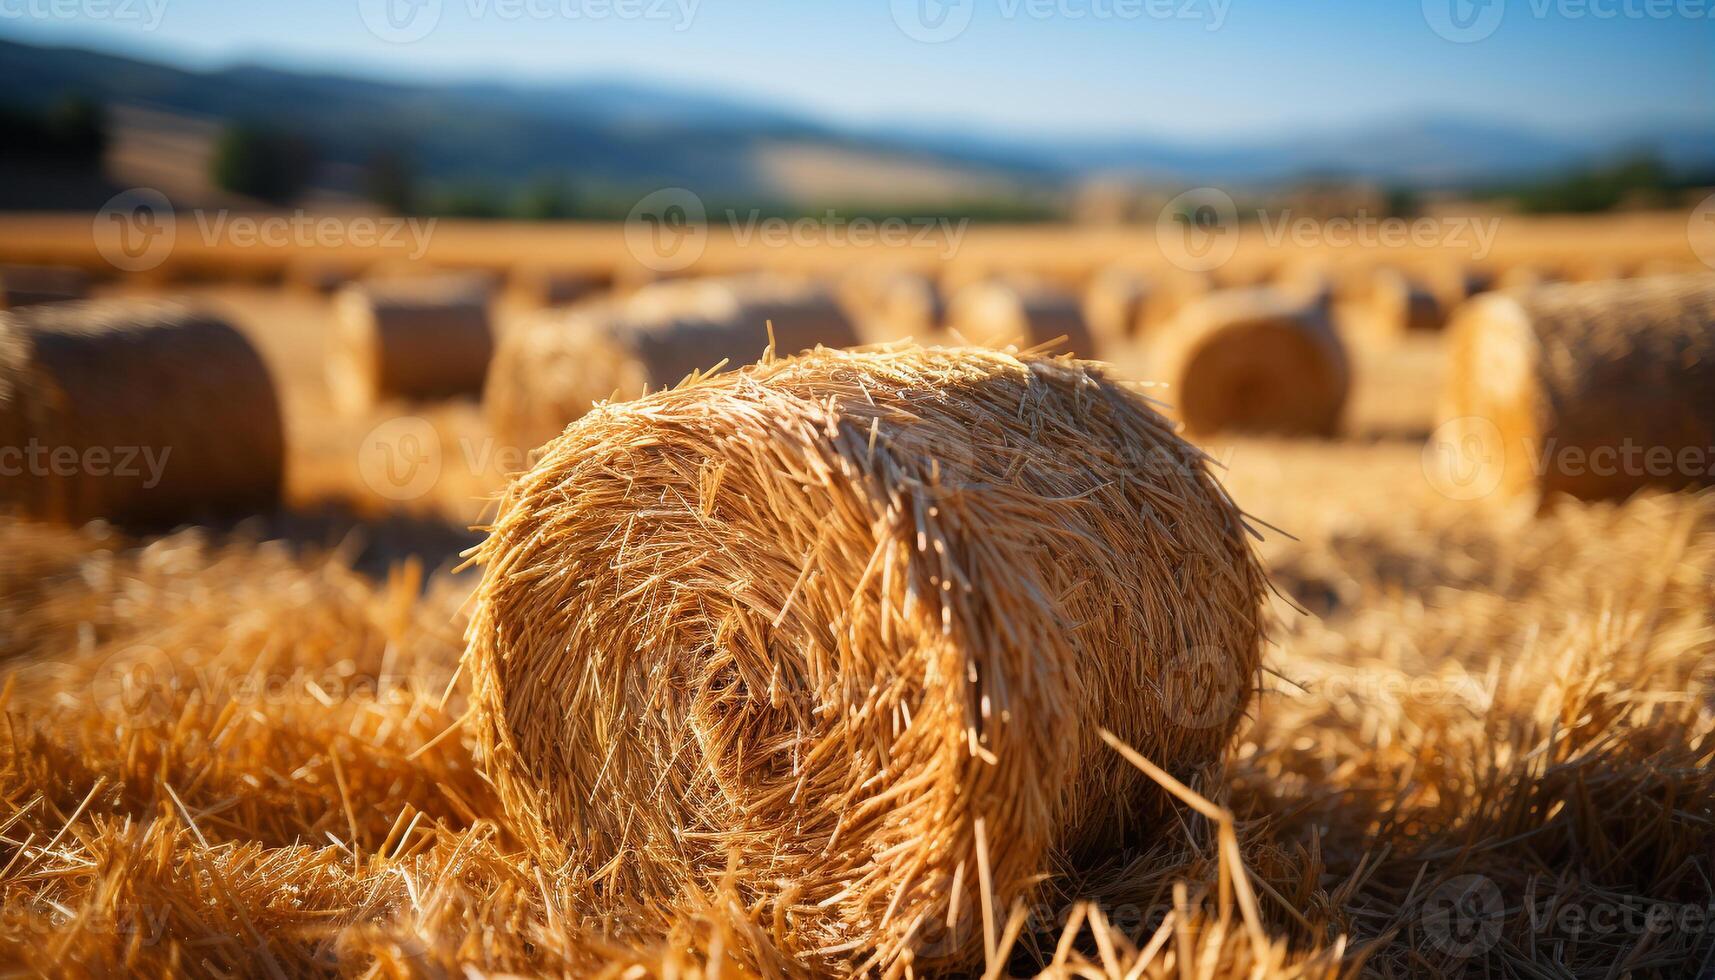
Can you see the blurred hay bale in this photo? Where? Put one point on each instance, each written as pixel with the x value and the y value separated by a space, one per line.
pixel 139 413
pixel 910 307
pixel 31 285
pixel 1115 302
pixel 1023 312
pixel 1255 360
pixel 421 340
pixel 1399 303
pixel 548 287
pixel 1593 390
pixel 552 368
pixel 843 630
pixel 1454 282
pixel 1523 275
pixel 320 277
pixel 891 303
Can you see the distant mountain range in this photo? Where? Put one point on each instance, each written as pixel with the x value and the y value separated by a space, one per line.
pixel 628 135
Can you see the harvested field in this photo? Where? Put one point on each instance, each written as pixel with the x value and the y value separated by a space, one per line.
pixel 1479 739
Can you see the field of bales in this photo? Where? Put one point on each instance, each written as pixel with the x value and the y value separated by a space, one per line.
pixel 1026 604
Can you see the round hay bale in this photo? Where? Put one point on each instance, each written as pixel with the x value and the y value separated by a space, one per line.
pixel 1030 315
pixel 1399 303
pixel 1454 282
pixel 32 285
pixel 144 414
pixel 551 369
pixel 418 341
pixel 548 287
pixel 1115 303
pixel 318 277
pixel 847 626
pixel 1255 360
pixel 909 307
pixel 1593 390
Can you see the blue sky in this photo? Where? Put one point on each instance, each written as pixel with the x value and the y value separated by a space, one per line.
pixel 1199 69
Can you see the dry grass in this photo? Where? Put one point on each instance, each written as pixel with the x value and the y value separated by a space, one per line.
pixel 1527 701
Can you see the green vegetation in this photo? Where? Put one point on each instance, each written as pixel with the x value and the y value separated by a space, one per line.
pixel 268 164
pixel 1635 182
pixel 71 133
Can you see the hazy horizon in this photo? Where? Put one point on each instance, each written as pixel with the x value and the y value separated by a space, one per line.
pixel 1016 68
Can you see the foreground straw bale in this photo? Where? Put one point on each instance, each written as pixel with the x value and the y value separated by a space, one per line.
pixel 140 413
pixel 1020 312
pixel 415 340
pixel 1255 360
pixel 1592 390
pixel 550 370
pixel 845 627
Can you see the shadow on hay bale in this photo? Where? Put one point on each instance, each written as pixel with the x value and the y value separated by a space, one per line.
pixel 1255 360
pixel 847 626
pixel 417 341
pixel 145 414
pixel 551 369
pixel 1593 390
